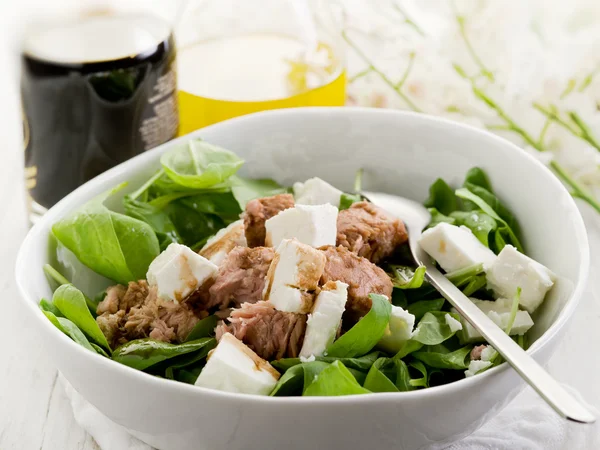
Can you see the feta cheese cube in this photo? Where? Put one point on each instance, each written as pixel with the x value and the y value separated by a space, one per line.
pixel 295 270
pixel 314 225
pixel 178 271
pixel 499 312
pixel 324 321
pixel 455 247
pixel 512 270
pixel 477 366
pixel 226 239
pixel 453 324
pixel 398 331
pixel 315 191
pixel 234 367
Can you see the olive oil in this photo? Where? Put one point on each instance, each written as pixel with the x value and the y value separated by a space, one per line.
pixel 223 78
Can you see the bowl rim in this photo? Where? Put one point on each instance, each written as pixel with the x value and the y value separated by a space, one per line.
pixel 62 207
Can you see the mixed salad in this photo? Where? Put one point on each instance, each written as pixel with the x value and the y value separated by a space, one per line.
pixel 247 286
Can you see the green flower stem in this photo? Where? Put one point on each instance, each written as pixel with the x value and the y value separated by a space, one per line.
pixel 381 75
pixel 578 190
pixel 580 129
pixel 407 19
pixel 360 74
pixel 460 20
pixel 407 70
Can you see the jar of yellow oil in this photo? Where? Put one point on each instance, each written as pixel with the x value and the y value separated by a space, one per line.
pixel 237 64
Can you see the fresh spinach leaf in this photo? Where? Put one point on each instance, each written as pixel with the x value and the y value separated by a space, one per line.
pixel 223 205
pixel 334 380
pixel 418 309
pixel 402 376
pixel 474 284
pixel 423 381
pixel 45 305
pixel 377 381
pixel 99 350
pixel 399 298
pixel 477 177
pixel 409 347
pixel 513 311
pixel 187 360
pixel 438 217
pixel 439 357
pixel 363 336
pixel 71 303
pixel 114 245
pixel 432 329
pixel 505 228
pixel 70 329
pixel 408 278
pixel 480 223
pixel 312 370
pixel 188 375
pixel 494 202
pixel 56 279
pixel 362 363
pixel 143 353
pixel 204 328
pixel 347 200
pixel 157 218
pixel 290 383
pixel 245 190
pixel 197 164
pixel 192 226
pixel 441 197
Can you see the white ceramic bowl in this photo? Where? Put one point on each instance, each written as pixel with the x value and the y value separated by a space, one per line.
pixel 401 153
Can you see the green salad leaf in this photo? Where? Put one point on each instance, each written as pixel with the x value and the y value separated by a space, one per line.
pixel 223 205
pixel 188 360
pixel 423 381
pixel 363 336
pixel 245 190
pixel 419 308
pixel 377 381
pixel 70 329
pixel 45 305
pixel 143 353
pixel 114 245
pixel 504 230
pixel 334 380
pixel 71 303
pixel 409 347
pixel 438 217
pixel 347 200
pixel 290 383
pixel 441 197
pixel 156 217
pixel 480 223
pixel 197 164
pixel 440 357
pixel 194 228
pixel 56 279
pixel 406 277
pixel 362 363
pixel 432 329
pixel 204 328
pixel 477 177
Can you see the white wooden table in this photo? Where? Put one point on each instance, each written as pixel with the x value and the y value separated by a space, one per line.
pixel 34 411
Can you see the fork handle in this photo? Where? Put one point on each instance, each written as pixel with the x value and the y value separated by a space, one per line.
pixel 545 385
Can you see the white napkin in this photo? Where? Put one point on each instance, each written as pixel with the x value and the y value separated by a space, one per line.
pixel 527 423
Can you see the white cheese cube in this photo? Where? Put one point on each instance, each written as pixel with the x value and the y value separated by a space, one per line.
pixel 296 269
pixel 477 366
pixel 398 331
pixel 453 324
pixel 455 247
pixel 291 299
pixel 315 191
pixel 324 321
pixel 314 225
pixel 178 271
pixel 234 367
pixel 512 270
pixel 499 312
pixel 226 239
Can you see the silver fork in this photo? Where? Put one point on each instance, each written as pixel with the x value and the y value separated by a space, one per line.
pixel 416 218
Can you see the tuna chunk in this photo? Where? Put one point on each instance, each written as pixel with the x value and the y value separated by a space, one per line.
pixel 241 278
pixel 257 213
pixel 369 231
pixel 272 334
pixel 136 312
pixel 362 276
